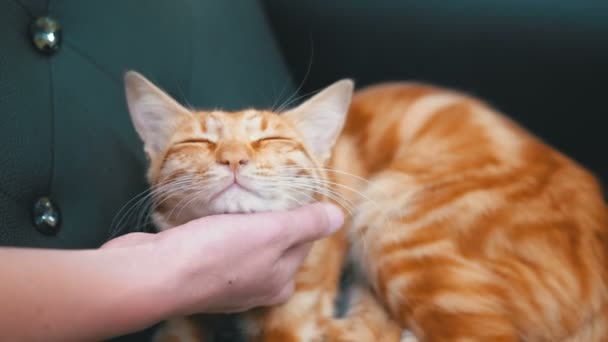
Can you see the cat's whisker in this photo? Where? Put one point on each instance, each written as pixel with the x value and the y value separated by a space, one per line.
pixel 199 184
pixel 159 193
pixel 356 192
pixel 278 98
pixel 309 68
pixel 186 102
pixel 178 205
pixel 146 219
pixel 308 196
pixel 322 182
pixel 162 193
pixel 290 102
pixel 275 181
pixel 329 184
pixel 299 189
pixel 294 184
pixel 182 188
pixel 141 204
pixel 120 216
pixel 295 200
pixel 144 216
pixel 127 205
pixel 194 196
pixel 115 229
pixel 327 193
pixel 324 169
pixel 339 199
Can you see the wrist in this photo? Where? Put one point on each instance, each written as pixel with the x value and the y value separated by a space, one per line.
pixel 185 280
pixel 157 290
pixel 142 297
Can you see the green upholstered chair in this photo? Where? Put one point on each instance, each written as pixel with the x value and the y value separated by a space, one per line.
pixel 65 133
pixel 64 127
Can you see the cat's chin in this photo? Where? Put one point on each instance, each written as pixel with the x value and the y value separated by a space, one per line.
pixel 232 201
pixel 245 207
pixel 161 223
pixel 239 201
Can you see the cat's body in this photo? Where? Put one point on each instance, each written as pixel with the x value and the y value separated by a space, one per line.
pixel 465 226
pixel 491 234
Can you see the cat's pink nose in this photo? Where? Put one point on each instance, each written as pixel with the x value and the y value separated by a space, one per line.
pixel 233 163
pixel 233 155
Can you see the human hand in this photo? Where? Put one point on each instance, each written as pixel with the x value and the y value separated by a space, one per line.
pixel 230 263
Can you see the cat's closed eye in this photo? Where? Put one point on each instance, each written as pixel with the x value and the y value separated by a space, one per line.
pixel 196 141
pixel 269 139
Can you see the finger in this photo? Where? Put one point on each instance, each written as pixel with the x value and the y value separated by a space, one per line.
pixel 294 257
pixel 284 228
pixel 289 264
pixel 283 295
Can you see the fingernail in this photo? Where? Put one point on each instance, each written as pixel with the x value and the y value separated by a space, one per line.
pixel 335 216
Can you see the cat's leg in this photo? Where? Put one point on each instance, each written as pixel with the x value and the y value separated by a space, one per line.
pixel 182 329
pixel 317 281
pixel 365 321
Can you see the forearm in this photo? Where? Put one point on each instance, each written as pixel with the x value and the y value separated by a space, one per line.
pixel 216 264
pixel 78 295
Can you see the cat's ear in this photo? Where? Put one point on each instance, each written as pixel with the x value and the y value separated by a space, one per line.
pixel 154 113
pixel 321 118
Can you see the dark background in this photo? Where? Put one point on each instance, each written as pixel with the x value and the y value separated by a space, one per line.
pixel 544 63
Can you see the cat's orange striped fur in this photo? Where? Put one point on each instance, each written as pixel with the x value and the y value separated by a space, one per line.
pixel 466 227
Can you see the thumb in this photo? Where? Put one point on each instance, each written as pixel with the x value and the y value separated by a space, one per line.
pixel 305 224
pixel 311 222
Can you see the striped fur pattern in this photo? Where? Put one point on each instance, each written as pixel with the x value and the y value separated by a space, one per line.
pixel 463 226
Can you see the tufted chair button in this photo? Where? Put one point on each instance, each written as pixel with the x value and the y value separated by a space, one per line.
pixel 46 216
pixel 46 35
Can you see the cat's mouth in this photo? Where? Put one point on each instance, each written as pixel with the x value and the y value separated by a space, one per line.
pixel 234 185
pixel 232 195
pixel 237 186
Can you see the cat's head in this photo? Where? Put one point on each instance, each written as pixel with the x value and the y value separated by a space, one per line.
pixel 212 162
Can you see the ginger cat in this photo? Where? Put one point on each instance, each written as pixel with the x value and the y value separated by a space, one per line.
pixel 462 225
